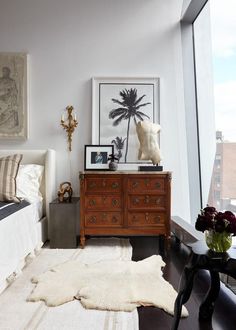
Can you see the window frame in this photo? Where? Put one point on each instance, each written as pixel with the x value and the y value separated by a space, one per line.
pixel 189 15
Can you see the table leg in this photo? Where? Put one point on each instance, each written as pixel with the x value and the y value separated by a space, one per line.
pixel 185 289
pixel 207 307
pixel 82 241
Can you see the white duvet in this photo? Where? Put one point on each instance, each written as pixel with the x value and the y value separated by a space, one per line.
pixel 18 237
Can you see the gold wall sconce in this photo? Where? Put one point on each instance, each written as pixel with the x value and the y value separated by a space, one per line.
pixel 69 124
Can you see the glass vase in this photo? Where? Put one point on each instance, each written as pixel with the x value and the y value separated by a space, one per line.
pixel 218 242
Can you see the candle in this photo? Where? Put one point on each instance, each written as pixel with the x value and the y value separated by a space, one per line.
pixel 62 117
pixel 75 116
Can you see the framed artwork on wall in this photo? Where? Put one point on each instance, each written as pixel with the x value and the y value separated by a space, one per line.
pixel 13 96
pixel 118 105
pixel 96 156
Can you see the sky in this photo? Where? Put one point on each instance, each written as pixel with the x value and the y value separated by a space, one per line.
pixel 223 27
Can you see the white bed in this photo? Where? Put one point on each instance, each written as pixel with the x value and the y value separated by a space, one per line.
pixel 23 233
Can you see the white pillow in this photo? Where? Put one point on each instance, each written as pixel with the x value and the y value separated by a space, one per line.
pixel 28 182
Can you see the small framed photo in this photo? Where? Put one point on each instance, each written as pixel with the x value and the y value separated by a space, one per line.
pixel 96 157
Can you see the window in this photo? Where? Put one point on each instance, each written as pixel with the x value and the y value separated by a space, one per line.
pixel 209 67
pixel 215 58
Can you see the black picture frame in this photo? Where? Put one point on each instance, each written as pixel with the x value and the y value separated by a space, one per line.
pixel 96 157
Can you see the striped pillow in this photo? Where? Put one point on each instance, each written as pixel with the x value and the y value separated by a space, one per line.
pixel 8 171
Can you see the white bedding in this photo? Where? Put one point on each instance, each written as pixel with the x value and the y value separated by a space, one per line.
pixel 19 235
pixel 22 233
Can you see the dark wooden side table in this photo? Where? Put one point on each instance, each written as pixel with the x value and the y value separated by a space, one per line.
pixel 64 218
pixel 203 258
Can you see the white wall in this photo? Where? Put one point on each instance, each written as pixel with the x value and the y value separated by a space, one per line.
pixel 70 41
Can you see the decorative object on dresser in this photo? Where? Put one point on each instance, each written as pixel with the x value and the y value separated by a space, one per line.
pixel 63 223
pixel 69 124
pixel 96 156
pixel 124 203
pixel 65 192
pixel 13 96
pixel 118 104
pixel 149 148
pixel 113 162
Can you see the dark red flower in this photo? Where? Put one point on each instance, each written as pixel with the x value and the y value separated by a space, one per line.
pixel 210 209
pixel 203 223
pixel 228 215
pixel 231 222
pixel 220 224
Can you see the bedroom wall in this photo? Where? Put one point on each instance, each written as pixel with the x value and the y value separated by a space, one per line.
pixel 70 41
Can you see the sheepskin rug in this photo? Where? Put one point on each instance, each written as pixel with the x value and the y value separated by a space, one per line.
pixel 107 285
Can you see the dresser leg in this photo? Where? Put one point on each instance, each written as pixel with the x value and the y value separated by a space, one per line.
pixel 82 241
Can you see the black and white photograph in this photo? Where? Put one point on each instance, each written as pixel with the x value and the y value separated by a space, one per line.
pixel 13 96
pixel 118 105
pixel 96 156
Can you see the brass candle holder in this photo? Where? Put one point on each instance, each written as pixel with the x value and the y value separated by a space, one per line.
pixel 69 124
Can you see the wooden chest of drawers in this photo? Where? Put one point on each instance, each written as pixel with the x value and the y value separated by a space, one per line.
pixel 124 203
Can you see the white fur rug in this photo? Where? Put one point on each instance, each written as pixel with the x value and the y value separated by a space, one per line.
pixel 107 285
pixel 18 314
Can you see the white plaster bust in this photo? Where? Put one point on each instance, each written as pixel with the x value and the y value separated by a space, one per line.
pixel 147 135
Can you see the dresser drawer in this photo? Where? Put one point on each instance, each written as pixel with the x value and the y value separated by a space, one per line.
pixel 136 219
pixel 103 202
pixel 146 201
pixel 103 219
pixel 103 184
pixel 146 184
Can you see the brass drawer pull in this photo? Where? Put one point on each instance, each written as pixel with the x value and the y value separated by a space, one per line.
pixel 115 185
pixel 114 219
pixel 134 219
pixel 115 202
pixel 92 219
pixel 157 219
pixel 158 185
pixel 92 202
pixel 147 200
pixel 158 201
pixel 104 183
pixel 135 184
pixel 135 201
pixel 147 182
pixel 92 185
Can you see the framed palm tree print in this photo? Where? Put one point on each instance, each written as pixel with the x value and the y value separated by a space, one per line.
pixel 118 105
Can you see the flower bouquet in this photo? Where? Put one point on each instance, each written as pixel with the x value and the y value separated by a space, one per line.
pixel 219 227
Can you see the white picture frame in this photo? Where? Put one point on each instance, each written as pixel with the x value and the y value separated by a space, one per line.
pixel 14 116
pixel 107 89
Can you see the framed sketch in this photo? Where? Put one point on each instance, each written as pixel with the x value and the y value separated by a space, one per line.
pixel 118 105
pixel 96 156
pixel 13 96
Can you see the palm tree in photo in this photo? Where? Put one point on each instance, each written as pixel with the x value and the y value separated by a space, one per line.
pixel 119 143
pixel 129 108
